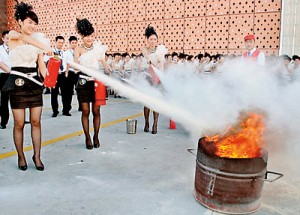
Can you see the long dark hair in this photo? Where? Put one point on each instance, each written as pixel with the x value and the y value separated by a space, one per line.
pixel 84 27
pixel 150 31
pixel 24 11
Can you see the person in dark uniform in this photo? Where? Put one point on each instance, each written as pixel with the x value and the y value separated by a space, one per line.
pixel 89 54
pixel 4 70
pixel 23 84
pixel 71 76
pixel 61 79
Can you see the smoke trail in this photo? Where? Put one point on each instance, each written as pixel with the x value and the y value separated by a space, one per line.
pixel 148 100
pixel 207 104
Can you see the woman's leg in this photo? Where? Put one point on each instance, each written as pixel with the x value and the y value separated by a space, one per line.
pixel 146 116
pixel 19 119
pixel 97 123
pixel 35 121
pixel 85 124
pixel 155 121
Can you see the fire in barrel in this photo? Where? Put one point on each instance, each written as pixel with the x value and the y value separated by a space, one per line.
pixel 230 168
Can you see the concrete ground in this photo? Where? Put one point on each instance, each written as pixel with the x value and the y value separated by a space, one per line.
pixel 129 174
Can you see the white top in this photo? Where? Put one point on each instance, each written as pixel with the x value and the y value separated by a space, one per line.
pixel 91 58
pixel 261 59
pixel 159 55
pixel 26 55
pixel 69 55
pixel 129 64
pixel 144 63
pixel 62 54
pixel 117 66
pixel 4 56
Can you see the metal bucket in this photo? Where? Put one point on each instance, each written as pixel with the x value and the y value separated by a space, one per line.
pixel 131 126
pixel 228 185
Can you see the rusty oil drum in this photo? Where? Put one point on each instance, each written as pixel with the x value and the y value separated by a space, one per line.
pixel 229 185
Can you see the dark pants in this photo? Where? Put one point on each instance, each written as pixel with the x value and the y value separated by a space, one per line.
pixel 4 111
pixel 66 86
pixel 67 90
pixel 55 92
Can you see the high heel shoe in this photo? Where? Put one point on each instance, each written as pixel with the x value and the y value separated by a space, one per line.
pixel 96 143
pixel 39 168
pixel 146 128
pixel 88 146
pixel 154 129
pixel 23 168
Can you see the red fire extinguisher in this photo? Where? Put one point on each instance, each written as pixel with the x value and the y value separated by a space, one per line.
pixel 154 76
pixel 172 124
pixel 100 93
pixel 52 73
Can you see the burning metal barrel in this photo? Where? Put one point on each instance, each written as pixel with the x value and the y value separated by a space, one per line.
pixel 229 185
pixel 231 169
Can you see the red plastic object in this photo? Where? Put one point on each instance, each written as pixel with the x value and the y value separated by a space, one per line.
pixel 172 124
pixel 100 93
pixel 154 77
pixel 53 68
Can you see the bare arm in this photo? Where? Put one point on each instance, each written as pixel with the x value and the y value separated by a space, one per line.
pixel 161 66
pixel 42 65
pixel 105 66
pixel 146 55
pixel 4 67
pixel 76 54
pixel 14 35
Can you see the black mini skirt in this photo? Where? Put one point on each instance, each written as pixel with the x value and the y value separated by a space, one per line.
pixel 23 93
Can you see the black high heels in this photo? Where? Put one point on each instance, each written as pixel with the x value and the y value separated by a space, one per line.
pixel 88 146
pixel 96 143
pixel 23 167
pixel 39 168
pixel 146 128
pixel 154 129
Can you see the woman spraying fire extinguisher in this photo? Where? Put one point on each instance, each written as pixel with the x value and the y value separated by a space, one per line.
pixel 155 55
pixel 23 85
pixel 90 91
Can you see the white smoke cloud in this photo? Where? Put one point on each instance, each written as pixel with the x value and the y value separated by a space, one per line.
pixel 216 100
pixel 208 103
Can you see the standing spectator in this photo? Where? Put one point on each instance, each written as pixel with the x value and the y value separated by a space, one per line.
pixel 252 52
pixel 4 70
pixel 59 43
pixel 71 77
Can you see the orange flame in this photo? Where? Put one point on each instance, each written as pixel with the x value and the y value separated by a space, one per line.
pixel 242 141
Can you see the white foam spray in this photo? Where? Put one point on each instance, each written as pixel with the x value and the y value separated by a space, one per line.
pixel 207 104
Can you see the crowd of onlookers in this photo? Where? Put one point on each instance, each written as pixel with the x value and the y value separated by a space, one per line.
pixel 124 65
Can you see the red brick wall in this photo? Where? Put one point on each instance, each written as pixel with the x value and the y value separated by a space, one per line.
pixel 3 18
pixel 192 26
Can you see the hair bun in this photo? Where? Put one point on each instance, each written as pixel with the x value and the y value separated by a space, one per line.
pixel 150 31
pixel 84 27
pixel 22 10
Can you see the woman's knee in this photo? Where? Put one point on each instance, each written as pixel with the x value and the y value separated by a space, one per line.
pixel 96 111
pixel 35 122
pixel 85 113
pixel 19 124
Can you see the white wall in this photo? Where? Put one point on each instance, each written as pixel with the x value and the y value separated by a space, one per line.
pixel 290 27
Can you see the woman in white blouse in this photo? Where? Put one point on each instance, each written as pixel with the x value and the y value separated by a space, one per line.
pixel 23 84
pixel 155 55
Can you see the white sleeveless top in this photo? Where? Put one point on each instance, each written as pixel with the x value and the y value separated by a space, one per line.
pixel 159 55
pixel 26 55
pixel 91 58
